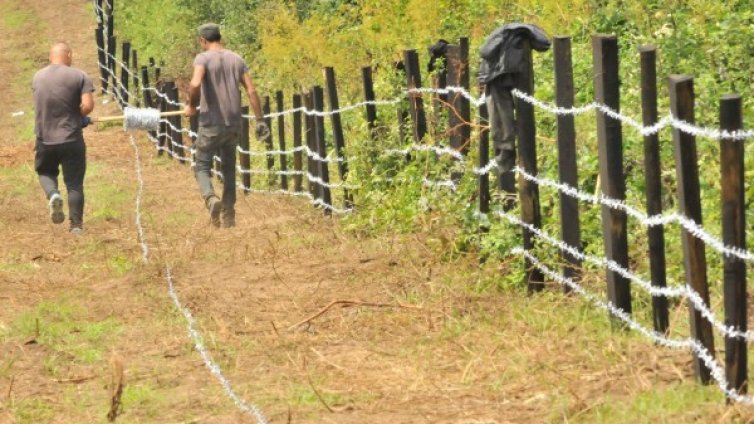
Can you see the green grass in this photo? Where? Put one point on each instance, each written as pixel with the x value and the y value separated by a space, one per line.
pixel 14 18
pixel 65 329
pixel 143 400
pixel 20 181
pixel 667 405
pixel 119 264
pixel 33 411
pixel 27 52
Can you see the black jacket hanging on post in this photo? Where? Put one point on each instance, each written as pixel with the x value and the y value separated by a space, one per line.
pixel 502 51
pixel 502 60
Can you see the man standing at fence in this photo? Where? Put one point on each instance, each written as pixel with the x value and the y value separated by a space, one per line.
pixel 215 88
pixel 62 100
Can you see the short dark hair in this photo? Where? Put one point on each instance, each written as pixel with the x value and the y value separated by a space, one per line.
pixel 210 32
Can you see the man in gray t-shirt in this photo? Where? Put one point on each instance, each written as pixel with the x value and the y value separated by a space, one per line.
pixel 215 88
pixel 62 100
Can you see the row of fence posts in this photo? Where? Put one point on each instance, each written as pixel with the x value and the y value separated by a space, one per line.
pixel 611 173
pixel 310 129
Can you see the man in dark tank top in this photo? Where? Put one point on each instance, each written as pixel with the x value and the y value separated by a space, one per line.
pixel 62 100
pixel 215 87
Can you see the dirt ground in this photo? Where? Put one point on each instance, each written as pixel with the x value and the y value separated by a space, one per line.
pixel 435 345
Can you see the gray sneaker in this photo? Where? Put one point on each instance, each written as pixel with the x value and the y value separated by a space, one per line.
pixel 56 208
pixel 215 207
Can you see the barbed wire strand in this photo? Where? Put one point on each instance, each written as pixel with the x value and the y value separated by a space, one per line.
pixel 717 372
pixel 678 291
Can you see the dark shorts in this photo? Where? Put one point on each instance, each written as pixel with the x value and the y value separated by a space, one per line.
pixel 71 156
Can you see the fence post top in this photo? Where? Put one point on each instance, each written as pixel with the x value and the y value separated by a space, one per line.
pixel 680 78
pixel 562 37
pixel 730 97
pixel 647 48
pixel 604 37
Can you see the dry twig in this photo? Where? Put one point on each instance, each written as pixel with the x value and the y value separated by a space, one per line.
pixel 347 303
pixel 116 388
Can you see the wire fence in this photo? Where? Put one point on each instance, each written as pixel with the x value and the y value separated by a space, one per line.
pixel 731 379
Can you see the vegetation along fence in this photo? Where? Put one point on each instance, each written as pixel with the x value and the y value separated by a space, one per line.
pixel 448 144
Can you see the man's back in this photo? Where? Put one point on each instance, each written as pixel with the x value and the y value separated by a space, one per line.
pixel 57 93
pixel 221 97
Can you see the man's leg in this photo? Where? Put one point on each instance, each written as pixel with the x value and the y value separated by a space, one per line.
pixel 74 170
pixel 228 156
pixel 47 164
pixel 206 146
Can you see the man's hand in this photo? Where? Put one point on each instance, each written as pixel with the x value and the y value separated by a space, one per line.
pixel 262 131
pixel 85 121
pixel 190 111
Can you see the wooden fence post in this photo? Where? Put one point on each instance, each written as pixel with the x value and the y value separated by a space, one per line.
pixel 689 204
pixel 312 168
pixel 337 128
pixel 570 227
pixel 297 139
pixel 124 69
pixel 439 100
pixel 244 158
pixel 176 128
pixel 111 66
pixel 281 141
pixel 109 10
pixel 101 58
pixel 135 68
pixel 734 235
pixel 416 104
pixel 484 158
pixel 458 75
pixel 162 133
pixel 268 141
pixel 371 109
pixel 100 11
pixel 147 94
pixel 653 183
pixel 610 141
pixel 319 125
pixel 527 146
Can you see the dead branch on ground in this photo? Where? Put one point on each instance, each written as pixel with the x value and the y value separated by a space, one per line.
pixel 348 303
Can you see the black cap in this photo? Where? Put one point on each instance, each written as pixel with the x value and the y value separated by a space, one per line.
pixel 209 31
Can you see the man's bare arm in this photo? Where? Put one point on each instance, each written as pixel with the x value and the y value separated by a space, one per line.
pixel 87 104
pixel 195 90
pixel 251 92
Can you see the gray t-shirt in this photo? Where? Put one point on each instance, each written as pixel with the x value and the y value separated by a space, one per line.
pixel 220 105
pixel 57 93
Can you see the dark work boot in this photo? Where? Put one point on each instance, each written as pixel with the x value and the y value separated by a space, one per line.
pixel 215 207
pixel 229 218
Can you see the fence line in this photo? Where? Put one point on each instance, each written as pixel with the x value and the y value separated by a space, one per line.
pixel 606 106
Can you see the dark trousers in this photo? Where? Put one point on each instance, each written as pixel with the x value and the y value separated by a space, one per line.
pixel 223 142
pixel 501 108
pixel 72 158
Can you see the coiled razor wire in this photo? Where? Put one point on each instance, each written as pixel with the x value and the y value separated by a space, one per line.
pixel 141 119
